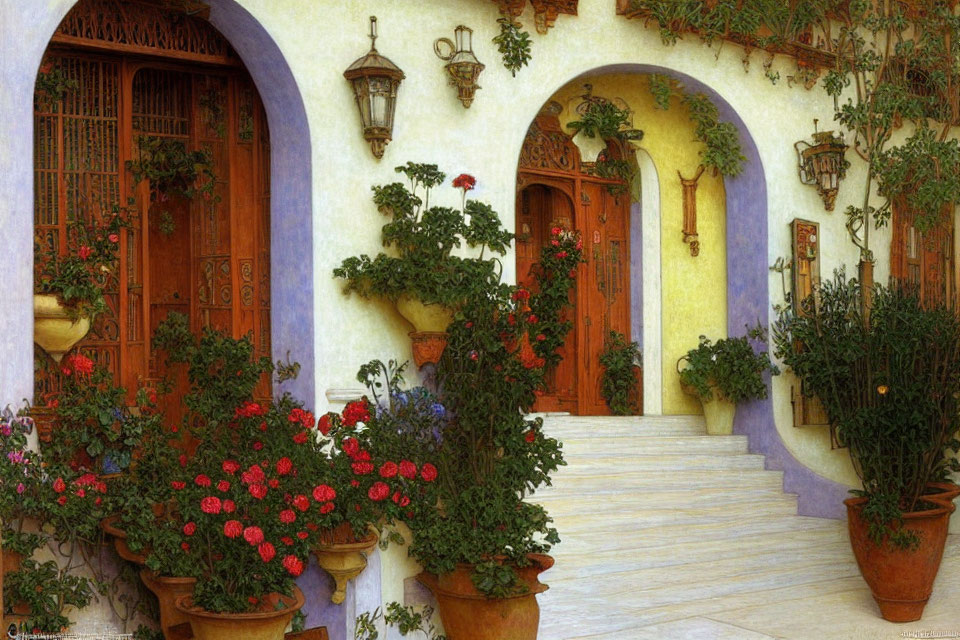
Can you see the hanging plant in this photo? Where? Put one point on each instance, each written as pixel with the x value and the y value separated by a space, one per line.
pixel 172 170
pixel 603 119
pixel 513 44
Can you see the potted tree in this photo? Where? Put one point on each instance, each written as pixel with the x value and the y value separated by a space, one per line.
pixel 889 384
pixel 724 373
pixel 424 279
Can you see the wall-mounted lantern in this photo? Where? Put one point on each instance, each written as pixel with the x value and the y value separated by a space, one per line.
pixel 462 65
pixel 375 82
pixel 823 164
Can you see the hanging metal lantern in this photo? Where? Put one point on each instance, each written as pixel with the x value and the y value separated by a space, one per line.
pixel 375 82
pixel 823 164
pixel 462 64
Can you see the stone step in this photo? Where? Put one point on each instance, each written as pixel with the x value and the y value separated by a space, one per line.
pixel 717 445
pixel 569 510
pixel 586 464
pixel 618 427
pixel 602 537
pixel 655 497
pixel 602 483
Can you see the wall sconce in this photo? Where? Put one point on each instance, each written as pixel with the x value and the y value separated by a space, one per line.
pixel 823 164
pixel 375 82
pixel 462 64
pixel 690 235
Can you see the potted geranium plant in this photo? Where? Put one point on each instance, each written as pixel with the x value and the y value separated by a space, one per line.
pixel 480 543
pixel 423 278
pixel 723 374
pixel 380 464
pixel 20 479
pixel 68 293
pixel 890 384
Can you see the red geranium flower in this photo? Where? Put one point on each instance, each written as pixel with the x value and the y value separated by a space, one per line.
pixel 202 480
pixel 324 493
pixel 354 412
pixel 293 565
pixel 362 468
pixel 284 466
pixel 59 485
pixel 324 424
pixel 253 475
pixel 229 506
pixel 211 504
pixel 185 546
pixel 232 528
pixel 190 528
pixel 273 483
pixel 530 436
pixel 253 535
pixel 84 252
pixel 326 507
pixel 303 417
pixel 388 469
pixel 223 485
pixel 287 516
pixel 81 364
pixel 302 535
pixel 300 438
pixel 114 238
pixel 464 181
pixel 408 469
pixel 287 540
pixel 62 500
pixel 249 409
pixel 258 491
pixel 230 466
pixel 351 447
pixel 266 551
pixel 378 491
pixel 428 472
pixel 178 484
pixel 301 502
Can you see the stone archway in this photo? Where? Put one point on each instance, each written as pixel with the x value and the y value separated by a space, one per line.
pixel 747 294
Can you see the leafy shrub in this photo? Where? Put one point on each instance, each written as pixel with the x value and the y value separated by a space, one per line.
pixel 728 365
pixel 620 360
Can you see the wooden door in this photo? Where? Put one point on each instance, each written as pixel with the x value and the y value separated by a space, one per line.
pixel 553 190
pixel 543 206
pixel 604 294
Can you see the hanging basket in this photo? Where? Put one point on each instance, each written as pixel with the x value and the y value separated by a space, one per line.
pixel 54 330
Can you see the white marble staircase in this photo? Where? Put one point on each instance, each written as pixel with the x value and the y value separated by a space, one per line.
pixel 669 533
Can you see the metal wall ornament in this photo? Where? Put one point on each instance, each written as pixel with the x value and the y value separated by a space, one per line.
pixel 462 65
pixel 823 164
pixel 375 80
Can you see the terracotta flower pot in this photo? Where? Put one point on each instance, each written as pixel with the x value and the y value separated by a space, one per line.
pixel 942 491
pixel 11 561
pixel 344 557
pixel 268 624
pixel 469 615
pixel 109 526
pixel 53 328
pixel 430 322
pixel 167 591
pixel 901 580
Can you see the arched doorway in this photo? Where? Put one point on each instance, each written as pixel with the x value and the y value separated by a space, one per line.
pixel 554 189
pixel 132 97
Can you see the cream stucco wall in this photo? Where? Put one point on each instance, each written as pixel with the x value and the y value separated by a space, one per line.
pixel 693 289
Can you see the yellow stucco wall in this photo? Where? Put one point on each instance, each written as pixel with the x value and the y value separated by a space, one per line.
pixel 693 289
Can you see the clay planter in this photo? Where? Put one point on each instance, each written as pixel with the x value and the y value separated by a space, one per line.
pixel 44 418
pixel 167 591
pixel 268 624
pixel 344 557
pixel 11 561
pixel 901 580
pixel 53 329
pixel 109 527
pixel 430 322
pixel 469 615
pixel 942 491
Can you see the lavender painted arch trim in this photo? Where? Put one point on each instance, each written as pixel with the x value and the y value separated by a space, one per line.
pixel 748 300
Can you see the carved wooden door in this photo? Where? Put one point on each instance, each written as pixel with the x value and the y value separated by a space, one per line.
pixel 554 191
pixel 926 259
pixel 206 258
pixel 604 294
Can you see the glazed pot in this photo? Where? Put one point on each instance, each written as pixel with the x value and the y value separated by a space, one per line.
pixel 167 590
pixel 109 526
pixel 718 413
pixel 901 580
pixel 344 557
pixel 268 624
pixel 469 615
pixel 53 329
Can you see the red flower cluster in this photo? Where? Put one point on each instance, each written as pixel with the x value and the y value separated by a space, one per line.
pixel 79 364
pixel 303 417
pixel 211 504
pixel 354 412
pixel 465 181
pixel 293 565
pixel 249 409
pixel 324 424
pixel 84 252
